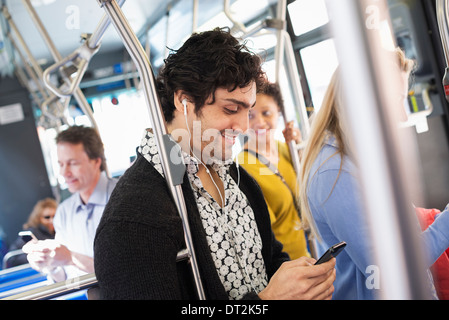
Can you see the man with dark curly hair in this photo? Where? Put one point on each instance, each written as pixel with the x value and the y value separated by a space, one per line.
pixel 206 89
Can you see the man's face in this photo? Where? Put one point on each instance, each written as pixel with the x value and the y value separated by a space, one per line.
pixel 77 169
pixel 216 127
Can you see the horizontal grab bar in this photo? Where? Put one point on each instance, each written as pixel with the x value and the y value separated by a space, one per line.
pixel 71 285
pixel 57 289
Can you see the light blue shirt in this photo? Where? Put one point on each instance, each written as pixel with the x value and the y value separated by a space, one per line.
pixel 335 202
pixel 76 223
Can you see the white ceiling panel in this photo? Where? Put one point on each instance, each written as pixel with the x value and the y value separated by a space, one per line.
pixel 66 20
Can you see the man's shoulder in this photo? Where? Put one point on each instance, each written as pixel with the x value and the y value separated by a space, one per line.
pixel 69 202
pixel 112 183
pixel 66 209
pixel 140 173
pixel 140 188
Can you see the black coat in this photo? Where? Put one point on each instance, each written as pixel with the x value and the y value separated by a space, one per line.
pixel 140 234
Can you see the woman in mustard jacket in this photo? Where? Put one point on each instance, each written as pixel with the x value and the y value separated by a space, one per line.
pixel 268 161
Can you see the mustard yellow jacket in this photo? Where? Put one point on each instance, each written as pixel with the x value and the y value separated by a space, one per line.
pixel 285 221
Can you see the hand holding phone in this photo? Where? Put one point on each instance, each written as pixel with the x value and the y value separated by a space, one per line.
pixel 332 252
pixel 27 236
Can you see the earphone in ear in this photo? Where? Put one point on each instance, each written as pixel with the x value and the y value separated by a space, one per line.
pixel 184 103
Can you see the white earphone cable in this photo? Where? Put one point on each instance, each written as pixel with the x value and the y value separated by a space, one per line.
pixel 184 102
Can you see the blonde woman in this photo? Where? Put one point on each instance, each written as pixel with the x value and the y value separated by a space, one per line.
pixel 42 218
pixel 330 197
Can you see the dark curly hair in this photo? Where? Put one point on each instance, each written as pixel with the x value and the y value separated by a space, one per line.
pixel 207 61
pixel 90 139
pixel 273 90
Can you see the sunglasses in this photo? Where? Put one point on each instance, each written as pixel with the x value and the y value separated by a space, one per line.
pixel 48 217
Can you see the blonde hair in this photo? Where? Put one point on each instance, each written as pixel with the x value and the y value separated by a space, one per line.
pixel 40 206
pixel 406 65
pixel 328 122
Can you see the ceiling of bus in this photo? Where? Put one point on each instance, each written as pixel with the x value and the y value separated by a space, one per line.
pixel 66 21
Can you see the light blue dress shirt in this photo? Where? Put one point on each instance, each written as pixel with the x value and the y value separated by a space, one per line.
pixel 76 223
pixel 335 202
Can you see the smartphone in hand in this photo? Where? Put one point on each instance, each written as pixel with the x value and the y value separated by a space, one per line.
pixel 331 252
pixel 27 236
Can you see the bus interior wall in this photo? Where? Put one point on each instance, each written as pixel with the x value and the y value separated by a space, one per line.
pixel 416 20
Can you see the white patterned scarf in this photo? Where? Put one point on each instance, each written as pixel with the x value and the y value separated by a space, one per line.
pixel 231 232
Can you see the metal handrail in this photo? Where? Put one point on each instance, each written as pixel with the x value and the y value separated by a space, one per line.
pixel 173 170
pixel 284 47
pixel 35 71
pixel 442 17
pixel 280 50
pixel 9 255
pixel 284 56
pixel 57 289
pixel 77 94
pixel 8 271
pixel 298 94
pixel 79 59
pixel 442 9
pixel 92 42
pixel 385 171
pixel 238 26
pixel 71 285
pixel 174 174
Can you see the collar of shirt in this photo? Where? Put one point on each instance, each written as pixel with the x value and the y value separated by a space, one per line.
pixel 232 234
pixel 331 140
pixel 98 197
pixel 148 149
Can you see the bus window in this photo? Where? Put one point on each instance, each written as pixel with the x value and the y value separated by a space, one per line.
pixel 269 68
pixel 122 118
pixel 320 61
pixel 121 127
pixel 307 15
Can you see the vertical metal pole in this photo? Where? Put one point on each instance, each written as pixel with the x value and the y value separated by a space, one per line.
pixel 281 14
pixel 298 94
pixel 442 16
pixel 385 173
pixel 285 57
pixel 279 58
pixel 237 25
pixel 77 94
pixel 174 179
pixel 194 16
pixel 103 25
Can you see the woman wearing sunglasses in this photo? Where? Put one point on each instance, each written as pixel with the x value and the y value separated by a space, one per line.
pixel 40 223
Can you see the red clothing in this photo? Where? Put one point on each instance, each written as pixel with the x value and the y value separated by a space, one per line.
pixel 440 269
